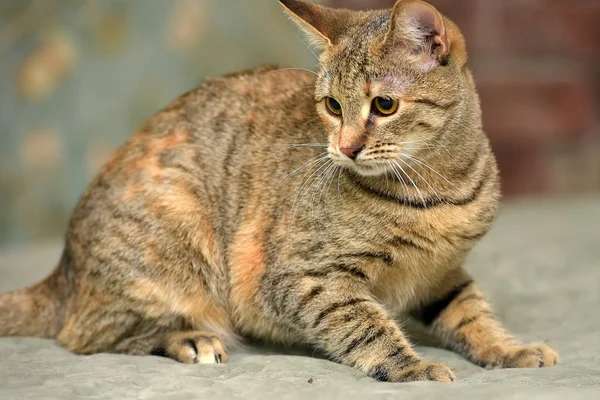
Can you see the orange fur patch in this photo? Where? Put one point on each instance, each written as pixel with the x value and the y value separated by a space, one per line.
pixel 252 117
pixel 131 192
pixel 178 202
pixel 174 139
pixel 149 161
pixel 195 307
pixel 248 261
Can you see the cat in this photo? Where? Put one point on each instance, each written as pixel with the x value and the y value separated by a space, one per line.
pixel 279 205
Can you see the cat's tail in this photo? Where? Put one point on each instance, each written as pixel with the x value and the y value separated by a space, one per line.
pixel 35 310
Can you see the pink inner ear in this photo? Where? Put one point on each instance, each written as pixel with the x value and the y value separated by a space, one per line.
pixel 420 13
pixel 444 45
pixel 427 16
pixel 431 21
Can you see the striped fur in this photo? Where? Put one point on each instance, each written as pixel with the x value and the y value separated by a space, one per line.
pixel 465 321
pixel 233 213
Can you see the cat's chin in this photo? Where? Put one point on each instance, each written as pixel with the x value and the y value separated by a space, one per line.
pixel 362 167
pixel 368 170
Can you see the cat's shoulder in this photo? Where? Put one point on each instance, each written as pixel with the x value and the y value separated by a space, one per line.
pixel 272 72
pixel 251 86
pixel 263 79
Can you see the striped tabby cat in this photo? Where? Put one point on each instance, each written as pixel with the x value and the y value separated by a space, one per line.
pixel 278 205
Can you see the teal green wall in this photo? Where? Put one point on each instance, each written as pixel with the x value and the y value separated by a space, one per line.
pixel 77 77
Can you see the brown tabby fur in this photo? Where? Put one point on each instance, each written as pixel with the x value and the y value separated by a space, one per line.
pixel 211 223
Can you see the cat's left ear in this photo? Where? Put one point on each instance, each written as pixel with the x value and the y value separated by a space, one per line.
pixel 418 26
pixel 323 25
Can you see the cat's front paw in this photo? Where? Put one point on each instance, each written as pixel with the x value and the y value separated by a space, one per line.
pixel 193 348
pixel 532 356
pixel 421 371
pixel 425 371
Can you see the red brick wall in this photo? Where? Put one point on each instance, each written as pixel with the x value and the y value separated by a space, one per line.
pixel 537 64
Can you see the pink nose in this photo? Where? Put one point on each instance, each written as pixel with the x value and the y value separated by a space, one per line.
pixel 351 152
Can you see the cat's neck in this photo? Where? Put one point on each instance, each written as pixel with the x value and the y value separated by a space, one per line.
pixel 399 188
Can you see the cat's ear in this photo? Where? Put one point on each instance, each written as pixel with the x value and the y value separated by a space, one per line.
pixel 421 28
pixel 323 25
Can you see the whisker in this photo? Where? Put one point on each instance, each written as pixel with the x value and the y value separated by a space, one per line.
pixel 294 69
pixel 413 183
pixel 304 181
pixel 324 176
pixel 395 146
pixel 387 183
pixel 413 141
pixel 442 146
pixel 299 196
pixel 306 164
pixel 338 183
pixel 284 147
pixel 308 122
pixel 428 167
pixel 322 170
pixel 295 90
pixel 330 181
pixel 420 176
pixel 307 46
pixel 395 171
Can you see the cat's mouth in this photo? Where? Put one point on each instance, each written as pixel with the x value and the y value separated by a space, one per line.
pixel 361 164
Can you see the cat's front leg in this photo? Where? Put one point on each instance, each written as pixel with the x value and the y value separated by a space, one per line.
pixel 333 311
pixel 463 319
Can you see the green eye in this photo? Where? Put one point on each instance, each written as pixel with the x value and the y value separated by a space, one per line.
pixel 333 106
pixel 385 106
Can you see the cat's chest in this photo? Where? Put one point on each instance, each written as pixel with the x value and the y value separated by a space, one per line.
pixel 404 230
pixel 412 251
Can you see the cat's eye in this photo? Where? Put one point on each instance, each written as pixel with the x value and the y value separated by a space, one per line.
pixel 333 106
pixel 385 106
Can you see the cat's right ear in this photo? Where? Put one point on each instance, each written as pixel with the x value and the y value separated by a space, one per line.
pixel 420 28
pixel 323 25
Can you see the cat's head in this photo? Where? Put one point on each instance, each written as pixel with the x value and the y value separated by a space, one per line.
pixel 393 86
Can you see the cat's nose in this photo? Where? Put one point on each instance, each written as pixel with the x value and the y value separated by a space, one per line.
pixel 352 152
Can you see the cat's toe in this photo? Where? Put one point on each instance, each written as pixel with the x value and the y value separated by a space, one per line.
pixel 425 371
pixel 549 355
pixel 532 356
pixel 196 348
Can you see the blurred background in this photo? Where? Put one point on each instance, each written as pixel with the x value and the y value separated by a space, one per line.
pixel 78 77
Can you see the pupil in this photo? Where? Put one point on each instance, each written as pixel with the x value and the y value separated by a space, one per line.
pixel 334 104
pixel 386 104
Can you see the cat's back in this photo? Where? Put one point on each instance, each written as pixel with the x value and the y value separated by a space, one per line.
pixel 196 155
pixel 222 119
pixel 267 96
pixel 244 112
